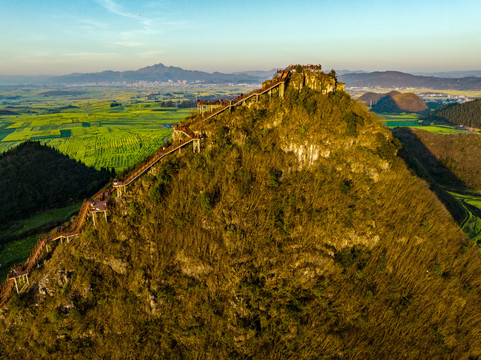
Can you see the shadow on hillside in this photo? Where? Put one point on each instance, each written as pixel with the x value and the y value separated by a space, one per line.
pixel 423 162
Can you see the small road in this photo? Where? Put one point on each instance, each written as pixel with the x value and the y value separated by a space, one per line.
pixel 166 126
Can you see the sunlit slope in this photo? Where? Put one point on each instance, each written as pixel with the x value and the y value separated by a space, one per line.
pixel 296 233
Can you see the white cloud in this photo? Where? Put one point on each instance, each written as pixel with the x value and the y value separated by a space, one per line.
pixel 116 9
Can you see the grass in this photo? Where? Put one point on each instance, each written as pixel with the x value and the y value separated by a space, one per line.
pixel 37 221
pixel 27 233
pixel 15 252
pixel 403 119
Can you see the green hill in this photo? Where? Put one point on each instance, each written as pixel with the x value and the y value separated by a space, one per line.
pixel 35 178
pixel 396 102
pixel 296 233
pixel 370 98
pixel 467 114
pixel 453 160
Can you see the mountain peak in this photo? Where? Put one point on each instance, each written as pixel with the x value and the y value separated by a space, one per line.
pixel 155 73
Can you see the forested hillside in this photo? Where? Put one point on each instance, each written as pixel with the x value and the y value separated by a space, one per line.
pixel 467 114
pixel 296 233
pixel 453 160
pixel 34 178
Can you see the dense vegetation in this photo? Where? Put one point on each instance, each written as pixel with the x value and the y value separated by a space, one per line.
pixel 296 233
pixel 453 160
pixel 34 178
pixel 450 164
pixel 467 114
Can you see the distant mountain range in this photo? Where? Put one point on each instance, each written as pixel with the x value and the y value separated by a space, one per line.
pixel 162 73
pixel 158 72
pixel 396 79
pixel 451 74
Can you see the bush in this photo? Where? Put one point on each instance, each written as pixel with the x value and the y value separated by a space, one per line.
pixel 274 178
pixel 387 149
pixel 157 193
pixel 206 201
pixel 345 186
pixel 353 121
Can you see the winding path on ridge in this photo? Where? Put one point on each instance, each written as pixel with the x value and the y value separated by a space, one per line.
pixel 20 272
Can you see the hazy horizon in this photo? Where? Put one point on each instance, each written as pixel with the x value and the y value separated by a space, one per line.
pixel 325 68
pixel 56 38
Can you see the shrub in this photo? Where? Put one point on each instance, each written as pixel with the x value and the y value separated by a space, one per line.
pixel 345 186
pixel 274 178
pixel 353 121
pixel 387 149
pixel 206 201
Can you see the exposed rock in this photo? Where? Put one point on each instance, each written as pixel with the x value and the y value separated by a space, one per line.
pixel 306 154
pixel 117 265
pixel 43 287
pixel 153 304
pixel 192 267
pixel 314 80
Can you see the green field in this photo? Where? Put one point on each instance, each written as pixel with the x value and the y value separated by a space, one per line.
pixel 472 204
pixel 100 138
pixel 443 129
pixel 86 127
pixel 416 120
pixel 404 119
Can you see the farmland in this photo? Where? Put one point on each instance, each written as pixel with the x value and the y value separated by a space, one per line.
pixel 404 119
pixel 104 128
pixel 416 120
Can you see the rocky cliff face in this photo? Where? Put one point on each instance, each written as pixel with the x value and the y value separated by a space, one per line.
pixel 315 80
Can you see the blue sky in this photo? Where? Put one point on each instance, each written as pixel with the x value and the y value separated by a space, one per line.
pixel 60 36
